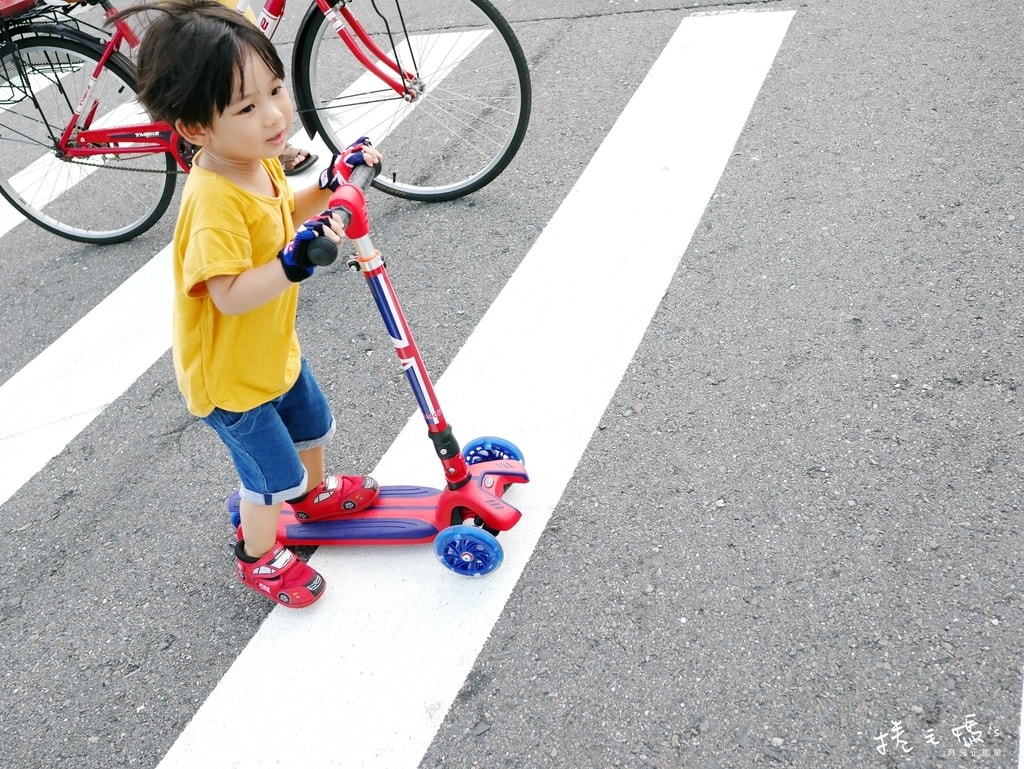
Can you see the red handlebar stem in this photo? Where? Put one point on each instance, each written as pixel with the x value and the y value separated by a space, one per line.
pixel 350 199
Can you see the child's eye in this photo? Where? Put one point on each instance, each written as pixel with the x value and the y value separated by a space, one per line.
pixel 247 108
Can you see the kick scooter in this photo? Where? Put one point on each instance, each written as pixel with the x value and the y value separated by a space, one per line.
pixel 462 518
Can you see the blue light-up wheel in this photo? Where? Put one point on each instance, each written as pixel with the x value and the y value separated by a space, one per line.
pixel 468 550
pixel 489 448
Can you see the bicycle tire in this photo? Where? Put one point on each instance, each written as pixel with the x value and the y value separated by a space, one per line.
pixel 101 199
pixel 466 126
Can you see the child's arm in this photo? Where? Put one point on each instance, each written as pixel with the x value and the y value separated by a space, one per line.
pixel 312 200
pixel 237 294
pixel 309 201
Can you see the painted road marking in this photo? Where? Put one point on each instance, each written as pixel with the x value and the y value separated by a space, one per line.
pixel 367 675
pixel 82 372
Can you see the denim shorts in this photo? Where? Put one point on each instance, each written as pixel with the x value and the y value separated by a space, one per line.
pixel 265 442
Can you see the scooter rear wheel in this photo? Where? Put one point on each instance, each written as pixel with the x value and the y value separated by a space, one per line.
pixel 468 550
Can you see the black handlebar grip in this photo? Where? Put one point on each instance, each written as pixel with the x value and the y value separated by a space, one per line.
pixel 322 251
pixel 362 175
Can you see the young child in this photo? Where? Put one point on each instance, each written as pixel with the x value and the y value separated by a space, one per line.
pixel 239 253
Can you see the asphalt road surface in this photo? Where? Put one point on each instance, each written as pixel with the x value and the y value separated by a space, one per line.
pixel 792 535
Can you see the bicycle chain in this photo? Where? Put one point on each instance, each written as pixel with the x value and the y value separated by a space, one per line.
pixel 186 151
pixel 110 166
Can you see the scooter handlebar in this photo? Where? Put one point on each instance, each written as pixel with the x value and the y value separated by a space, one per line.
pixel 349 201
pixel 322 251
pixel 363 175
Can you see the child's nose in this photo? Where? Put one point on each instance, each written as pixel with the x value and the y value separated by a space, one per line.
pixel 273 113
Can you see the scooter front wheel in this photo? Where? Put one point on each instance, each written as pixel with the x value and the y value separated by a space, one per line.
pixel 468 550
pixel 489 448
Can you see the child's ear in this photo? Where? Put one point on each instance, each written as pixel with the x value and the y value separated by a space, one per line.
pixel 193 134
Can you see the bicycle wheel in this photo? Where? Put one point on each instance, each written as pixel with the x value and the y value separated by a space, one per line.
pixel 468 103
pixel 97 199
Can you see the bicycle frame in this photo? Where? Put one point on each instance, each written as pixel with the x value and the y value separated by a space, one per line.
pixel 81 140
pixel 273 10
pixel 406 89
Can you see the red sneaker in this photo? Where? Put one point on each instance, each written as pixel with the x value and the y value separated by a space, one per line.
pixel 281 576
pixel 337 496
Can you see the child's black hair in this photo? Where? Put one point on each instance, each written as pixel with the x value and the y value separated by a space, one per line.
pixel 191 60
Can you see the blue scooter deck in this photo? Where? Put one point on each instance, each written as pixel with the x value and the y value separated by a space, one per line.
pixel 401 515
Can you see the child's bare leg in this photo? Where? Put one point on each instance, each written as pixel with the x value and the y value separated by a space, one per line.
pixel 259 523
pixel 313 460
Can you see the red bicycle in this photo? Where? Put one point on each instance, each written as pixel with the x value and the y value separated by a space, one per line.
pixel 442 86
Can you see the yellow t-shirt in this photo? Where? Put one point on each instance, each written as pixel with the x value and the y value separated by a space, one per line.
pixel 234 362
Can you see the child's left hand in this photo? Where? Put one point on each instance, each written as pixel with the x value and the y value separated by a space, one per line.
pixel 359 153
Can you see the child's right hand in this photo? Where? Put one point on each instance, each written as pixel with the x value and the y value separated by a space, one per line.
pixel 295 257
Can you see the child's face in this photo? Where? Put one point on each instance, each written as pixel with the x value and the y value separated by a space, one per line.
pixel 256 123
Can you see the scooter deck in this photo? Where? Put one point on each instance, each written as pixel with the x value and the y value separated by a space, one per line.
pixel 409 515
pixel 402 515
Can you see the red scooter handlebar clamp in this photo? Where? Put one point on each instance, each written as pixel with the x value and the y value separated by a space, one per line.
pixel 350 200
